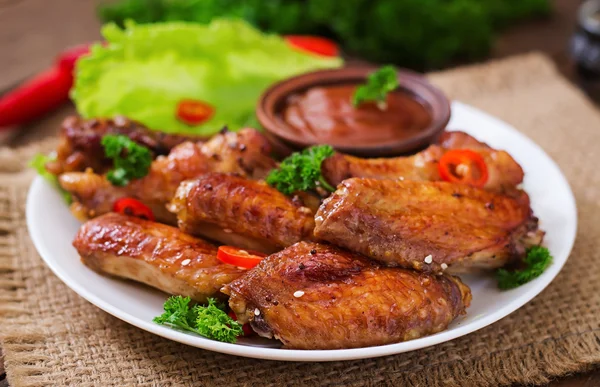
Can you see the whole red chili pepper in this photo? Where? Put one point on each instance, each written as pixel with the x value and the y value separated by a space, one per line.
pixel 41 94
pixel 36 97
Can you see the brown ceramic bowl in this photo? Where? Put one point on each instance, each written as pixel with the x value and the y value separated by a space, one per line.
pixel 285 138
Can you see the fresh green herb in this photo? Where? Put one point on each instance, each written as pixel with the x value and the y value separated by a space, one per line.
pixel 131 160
pixel 39 164
pixel 209 321
pixel 434 33
pixel 379 84
pixel 301 171
pixel 537 260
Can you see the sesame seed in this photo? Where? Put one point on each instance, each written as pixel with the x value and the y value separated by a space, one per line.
pixel 256 312
pixel 305 210
pixel 462 169
pixel 185 262
pixel 444 266
pixel 228 230
pixel 428 259
pixel 298 293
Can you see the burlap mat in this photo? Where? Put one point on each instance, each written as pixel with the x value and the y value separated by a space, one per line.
pixel 52 337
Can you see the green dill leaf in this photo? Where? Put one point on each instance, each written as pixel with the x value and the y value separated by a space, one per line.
pixel 210 321
pixel 301 171
pixel 379 84
pixel 538 259
pixel 38 163
pixel 214 323
pixel 131 160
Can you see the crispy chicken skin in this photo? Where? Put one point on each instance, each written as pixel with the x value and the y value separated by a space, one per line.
pixel 460 140
pixel 245 152
pixel 80 147
pixel 401 223
pixel 504 172
pixel 241 212
pixel 155 254
pixel 316 296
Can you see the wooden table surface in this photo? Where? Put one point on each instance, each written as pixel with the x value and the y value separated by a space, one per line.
pixel 33 31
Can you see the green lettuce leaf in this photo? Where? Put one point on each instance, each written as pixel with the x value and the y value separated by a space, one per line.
pixel 39 164
pixel 145 70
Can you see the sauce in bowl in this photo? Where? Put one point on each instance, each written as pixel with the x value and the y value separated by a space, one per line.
pixel 316 108
pixel 325 114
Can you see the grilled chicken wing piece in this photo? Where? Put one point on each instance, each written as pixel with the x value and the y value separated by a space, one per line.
pixel 460 140
pixel 504 173
pixel 315 296
pixel 428 226
pixel 80 147
pixel 241 212
pixel 245 152
pixel 155 254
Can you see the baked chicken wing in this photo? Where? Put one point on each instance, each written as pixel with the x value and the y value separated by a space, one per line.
pixel 245 152
pixel 504 173
pixel 155 254
pixel 241 212
pixel 80 145
pixel 315 296
pixel 429 226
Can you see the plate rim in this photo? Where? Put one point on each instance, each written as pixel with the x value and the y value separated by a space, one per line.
pixel 316 355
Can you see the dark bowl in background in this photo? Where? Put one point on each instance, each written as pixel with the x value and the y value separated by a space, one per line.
pixel 285 140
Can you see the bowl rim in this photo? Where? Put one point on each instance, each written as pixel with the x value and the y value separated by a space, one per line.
pixel 416 84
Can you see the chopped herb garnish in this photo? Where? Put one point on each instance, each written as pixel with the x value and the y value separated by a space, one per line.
pixel 302 171
pixel 379 84
pixel 131 160
pixel 537 260
pixel 38 163
pixel 210 321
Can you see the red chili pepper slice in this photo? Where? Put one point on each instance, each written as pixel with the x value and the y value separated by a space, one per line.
pixel 239 257
pixel 313 44
pixel 193 112
pixel 133 207
pixel 36 97
pixel 248 331
pixel 463 166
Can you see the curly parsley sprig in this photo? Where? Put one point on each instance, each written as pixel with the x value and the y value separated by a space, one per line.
pixel 131 160
pixel 537 260
pixel 301 171
pixel 379 84
pixel 210 321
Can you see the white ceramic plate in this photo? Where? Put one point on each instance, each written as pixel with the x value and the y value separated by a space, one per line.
pixel 52 229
